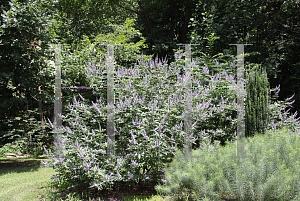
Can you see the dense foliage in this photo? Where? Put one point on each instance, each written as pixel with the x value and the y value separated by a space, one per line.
pixel 257 102
pixel 271 172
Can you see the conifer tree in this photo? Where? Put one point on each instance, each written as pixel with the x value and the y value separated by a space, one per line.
pixel 257 101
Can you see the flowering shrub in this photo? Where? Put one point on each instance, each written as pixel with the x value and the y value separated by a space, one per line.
pixel 147 135
pixel 147 142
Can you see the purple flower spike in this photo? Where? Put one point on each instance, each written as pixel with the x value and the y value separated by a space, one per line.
pixel 145 136
pixel 119 175
pixel 44 163
pixel 50 123
pixel 80 154
pixel 81 97
pixel 134 162
pixel 46 151
pixel 130 176
pixel 133 139
pixel 69 130
pixel 217 63
pixel 96 108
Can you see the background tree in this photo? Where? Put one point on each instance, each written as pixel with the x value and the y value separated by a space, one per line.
pixel 21 75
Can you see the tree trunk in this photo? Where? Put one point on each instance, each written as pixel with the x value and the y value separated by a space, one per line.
pixel 186 22
pixel 40 101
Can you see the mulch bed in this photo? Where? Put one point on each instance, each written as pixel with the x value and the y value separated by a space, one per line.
pixel 124 190
pixel 139 189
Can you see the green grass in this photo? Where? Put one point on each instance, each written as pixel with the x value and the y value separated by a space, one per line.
pixel 23 179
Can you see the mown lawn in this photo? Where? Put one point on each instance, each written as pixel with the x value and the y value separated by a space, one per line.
pixel 23 179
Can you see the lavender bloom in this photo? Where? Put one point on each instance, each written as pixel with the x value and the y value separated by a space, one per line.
pixel 181 124
pixel 76 176
pixel 280 116
pixel 130 176
pixel 102 151
pixel 277 92
pixel 145 136
pixel 134 162
pixel 46 150
pixel 107 161
pixel 85 137
pixel 53 176
pixel 194 124
pixel 75 101
pixel 69 160
pixel 86 165
pixel 81 97
pixel 291 102
pixel 96 108
pixel 164 118
pixel 44 163
pixel 175 128
pixel 119 162
pixel 291 97
pixel 76 120
pixel 217 63
pixel 70 106
pixel 80 154
pixel 119 175
pixel 76 144
pixel 156 144
pixel 232 64
pixel 50 123
pixel 69 130
pixel 133 139
pixel 163 180
pixel 88 73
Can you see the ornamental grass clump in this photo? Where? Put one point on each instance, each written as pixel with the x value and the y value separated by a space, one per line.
pixel 272 173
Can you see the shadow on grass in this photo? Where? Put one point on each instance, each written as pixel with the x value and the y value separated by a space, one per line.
pixel 18 165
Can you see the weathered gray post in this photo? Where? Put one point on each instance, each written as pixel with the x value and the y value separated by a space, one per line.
pixel 240 103
pixel 110 102
pixel 188 101
pixel 57 101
